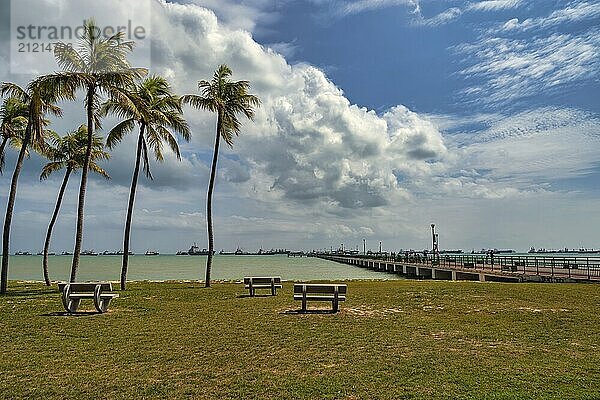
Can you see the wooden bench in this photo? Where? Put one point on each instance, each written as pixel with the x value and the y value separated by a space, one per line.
pixel 509 268
pixel 99 292
pixel 262 282
pixel 320 292
pixel 469 265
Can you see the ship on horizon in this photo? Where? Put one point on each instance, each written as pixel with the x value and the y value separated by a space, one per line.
pixel 566 250
pixel 115 253
pixel 41 253
pixel 260 252
pixel 193 251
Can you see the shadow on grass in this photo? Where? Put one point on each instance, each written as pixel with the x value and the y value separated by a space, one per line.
pixel 67 314
pixel 243 296
pixel 29 293
pixel 302 312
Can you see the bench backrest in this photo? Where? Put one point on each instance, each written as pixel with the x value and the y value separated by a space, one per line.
pixel 86 287
pixel 262 280
pixel 319 288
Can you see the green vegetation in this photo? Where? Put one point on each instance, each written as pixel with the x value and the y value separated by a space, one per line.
pixel 68 153
pixel 33 104
pixel 13 120
pixel 99 67
pixel 153 106
pixel 391 340
pixel 228 99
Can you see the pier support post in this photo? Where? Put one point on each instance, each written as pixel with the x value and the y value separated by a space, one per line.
pixel 432 273
pixel 481 277
pixel 453 275
pixel 404 269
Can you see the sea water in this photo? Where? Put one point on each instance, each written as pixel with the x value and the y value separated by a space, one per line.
pixel 171 267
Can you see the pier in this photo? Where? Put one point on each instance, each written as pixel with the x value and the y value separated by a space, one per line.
pixel 479 267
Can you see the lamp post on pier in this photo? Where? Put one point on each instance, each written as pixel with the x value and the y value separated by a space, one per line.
pixel 434 243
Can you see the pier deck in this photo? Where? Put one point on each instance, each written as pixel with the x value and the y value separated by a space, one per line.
pixel 481 267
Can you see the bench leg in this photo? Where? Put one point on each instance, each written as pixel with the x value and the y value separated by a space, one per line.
pixel 69 304
pixel 73 305
pixel 100 304
pixel 335 302
pixel 251 287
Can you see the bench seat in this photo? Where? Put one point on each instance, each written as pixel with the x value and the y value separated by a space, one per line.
pixel 320 297
pixel 263 286
pixel 91 295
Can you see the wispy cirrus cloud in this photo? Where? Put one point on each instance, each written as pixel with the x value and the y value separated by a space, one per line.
pixel 510 69
pixel 344 8
pixel 506 66
pixel 440 19
pixel 574 12
pixel 494 5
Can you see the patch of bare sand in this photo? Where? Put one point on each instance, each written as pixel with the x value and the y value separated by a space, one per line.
pixel 366 311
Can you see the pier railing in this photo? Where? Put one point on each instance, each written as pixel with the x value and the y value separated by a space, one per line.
pixel 565 267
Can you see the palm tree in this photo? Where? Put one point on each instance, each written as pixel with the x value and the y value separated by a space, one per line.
pixel 152 105
pixel 40 100
pixel 68 153
pixel 98 65
pixel 13 121
pixel 228 99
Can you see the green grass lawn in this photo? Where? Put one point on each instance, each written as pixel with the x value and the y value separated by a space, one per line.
pixel 391 340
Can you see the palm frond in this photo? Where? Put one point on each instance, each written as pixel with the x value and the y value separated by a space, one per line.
pixel 227 98
pixel 118 132
pixel 168 138
pixel 50 168
pixel 13 90
pixel 97 169
pixel 145 160
pixel 199 102
pixel 153 140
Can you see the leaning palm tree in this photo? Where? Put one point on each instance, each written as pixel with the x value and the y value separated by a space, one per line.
pixel 13 121
pixel 227 98
pixel 40 100
pixel 68 153
pixel 98 65
pixel 151 105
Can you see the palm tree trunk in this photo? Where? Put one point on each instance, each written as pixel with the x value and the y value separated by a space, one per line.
pixel 9 210
pixel 134 179
pixel 51 225
pixel 211 186
pixel 84 172
pixel 2 146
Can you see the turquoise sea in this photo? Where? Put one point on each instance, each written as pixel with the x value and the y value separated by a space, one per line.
pixel 171 267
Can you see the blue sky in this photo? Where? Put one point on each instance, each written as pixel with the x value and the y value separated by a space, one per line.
pixel 390 54
pixel 378 118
